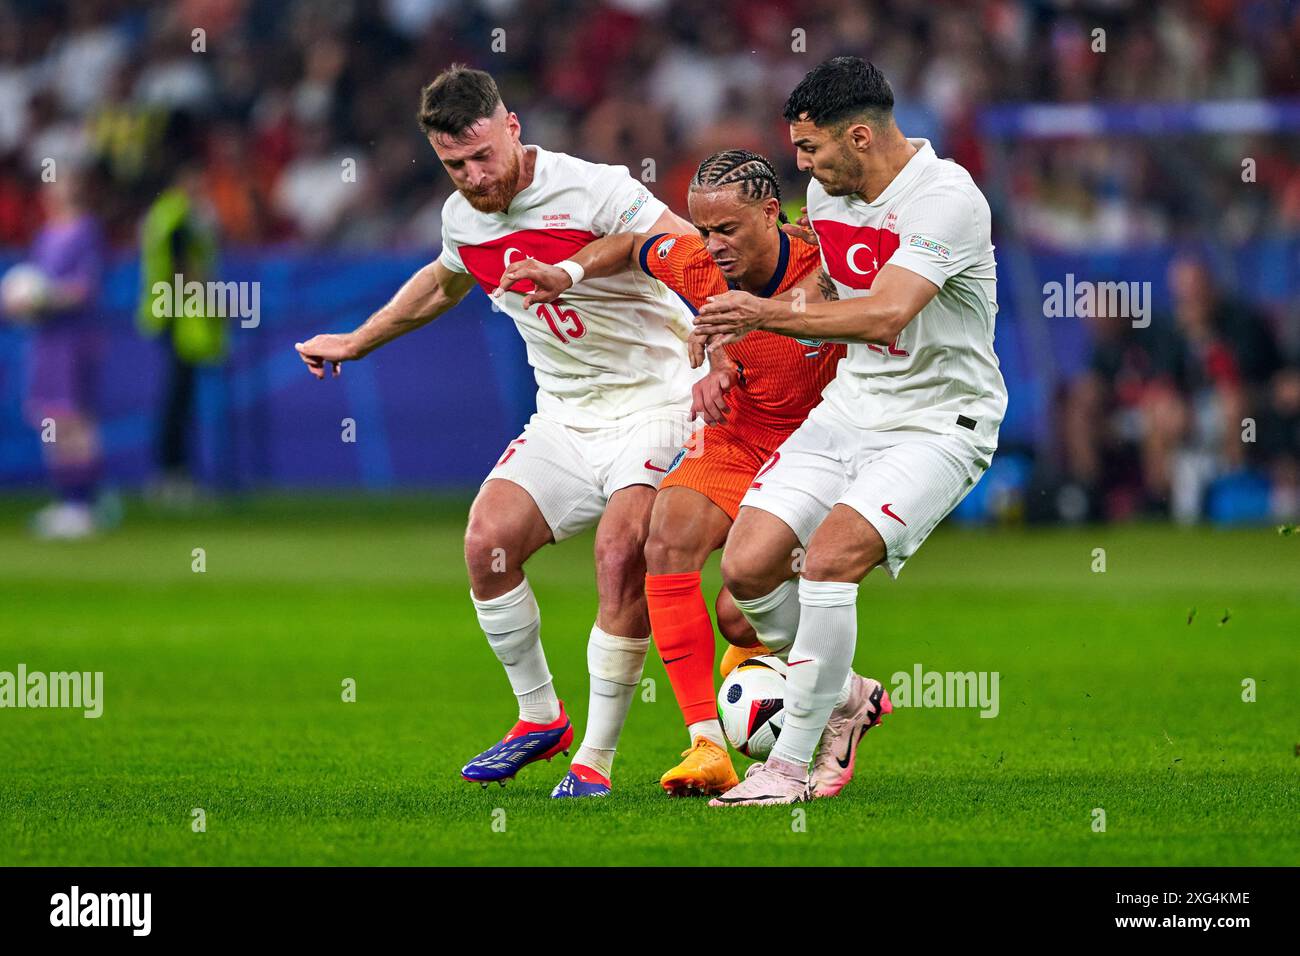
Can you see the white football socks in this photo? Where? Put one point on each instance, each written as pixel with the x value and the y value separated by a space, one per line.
pixel 819 663
pixel 774 616
pixel 615 665
pixel 540 706
pixel 513 625
pixel 712 729
pixel 846 690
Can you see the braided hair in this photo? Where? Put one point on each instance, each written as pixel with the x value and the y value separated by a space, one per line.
pixel 752 172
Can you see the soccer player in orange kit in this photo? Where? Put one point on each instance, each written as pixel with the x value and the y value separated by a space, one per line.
pixel 758 391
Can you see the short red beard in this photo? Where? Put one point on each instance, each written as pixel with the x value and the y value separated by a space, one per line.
pixel 497 198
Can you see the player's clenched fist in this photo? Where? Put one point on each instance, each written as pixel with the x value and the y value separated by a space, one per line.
pixel 322 350
pixel 549 281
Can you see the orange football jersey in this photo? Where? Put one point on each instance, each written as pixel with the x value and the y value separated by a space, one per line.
pixel 781 378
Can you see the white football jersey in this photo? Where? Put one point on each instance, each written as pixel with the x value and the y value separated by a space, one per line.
pixel 609 347
pixel 932 220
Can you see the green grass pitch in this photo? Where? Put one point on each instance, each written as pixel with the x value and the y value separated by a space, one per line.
pixel 223 691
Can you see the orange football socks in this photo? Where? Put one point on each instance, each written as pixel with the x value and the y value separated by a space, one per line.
pixel 683 633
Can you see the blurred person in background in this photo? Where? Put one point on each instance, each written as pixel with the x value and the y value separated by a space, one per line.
pixel 1278 443
pixel 1158 414
pixel 178 239
pixel 1222 365
pixel 316 192
pixel 68 343
pixel 1107 413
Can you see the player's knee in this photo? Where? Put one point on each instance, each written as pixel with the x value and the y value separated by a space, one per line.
pixel 732 623
pixel 659 554
pixel 669 554
pixel 823 567
pixel 840 564
pixel 620 561
pixel 745 574
pixel 489 548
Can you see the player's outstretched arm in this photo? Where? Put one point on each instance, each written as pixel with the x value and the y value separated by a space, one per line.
pixel 669 221
pixel 897 295
pixel 425 296
pixel 606 256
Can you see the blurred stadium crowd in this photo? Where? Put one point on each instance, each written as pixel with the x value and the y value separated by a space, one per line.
pixel 284 89
pixel 266 104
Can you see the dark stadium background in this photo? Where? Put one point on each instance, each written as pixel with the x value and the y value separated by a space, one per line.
pixel 1125 164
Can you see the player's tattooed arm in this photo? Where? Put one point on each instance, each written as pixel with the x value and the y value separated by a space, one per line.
pixel 826 286
pixel 425 296
pixel 815 286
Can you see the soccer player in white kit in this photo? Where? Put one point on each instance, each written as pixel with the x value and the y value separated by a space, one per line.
pixel 613 402
pixel 904 430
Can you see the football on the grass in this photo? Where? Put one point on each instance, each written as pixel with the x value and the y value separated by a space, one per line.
pixel 751 704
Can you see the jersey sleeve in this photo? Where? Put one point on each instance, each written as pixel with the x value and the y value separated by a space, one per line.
pixel 621 203
pixel 450 255
pixel 683 264
pixel 943 234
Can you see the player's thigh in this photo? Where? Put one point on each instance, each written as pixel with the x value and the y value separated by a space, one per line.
pixel 685 528
pixel 761 552
pixel 553 464
pixel 719 463
pixel 620 544
pixel 843 548
pixel 630 461
pixel 791 494
pixel 905 490
pixel 716 468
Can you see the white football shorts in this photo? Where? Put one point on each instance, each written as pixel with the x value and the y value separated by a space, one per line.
pixel 902 481
pixel 571 472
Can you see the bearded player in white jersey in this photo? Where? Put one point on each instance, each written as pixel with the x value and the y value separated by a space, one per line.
pixel 613 400
pixel 904 430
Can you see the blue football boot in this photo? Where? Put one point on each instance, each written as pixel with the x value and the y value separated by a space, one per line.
pixel 581 781
pixel 524 744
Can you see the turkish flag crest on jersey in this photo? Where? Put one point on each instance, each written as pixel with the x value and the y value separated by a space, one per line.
pixel 487 260
pixel 854 254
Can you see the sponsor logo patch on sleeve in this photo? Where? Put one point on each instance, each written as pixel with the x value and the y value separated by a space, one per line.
pixel 938 248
